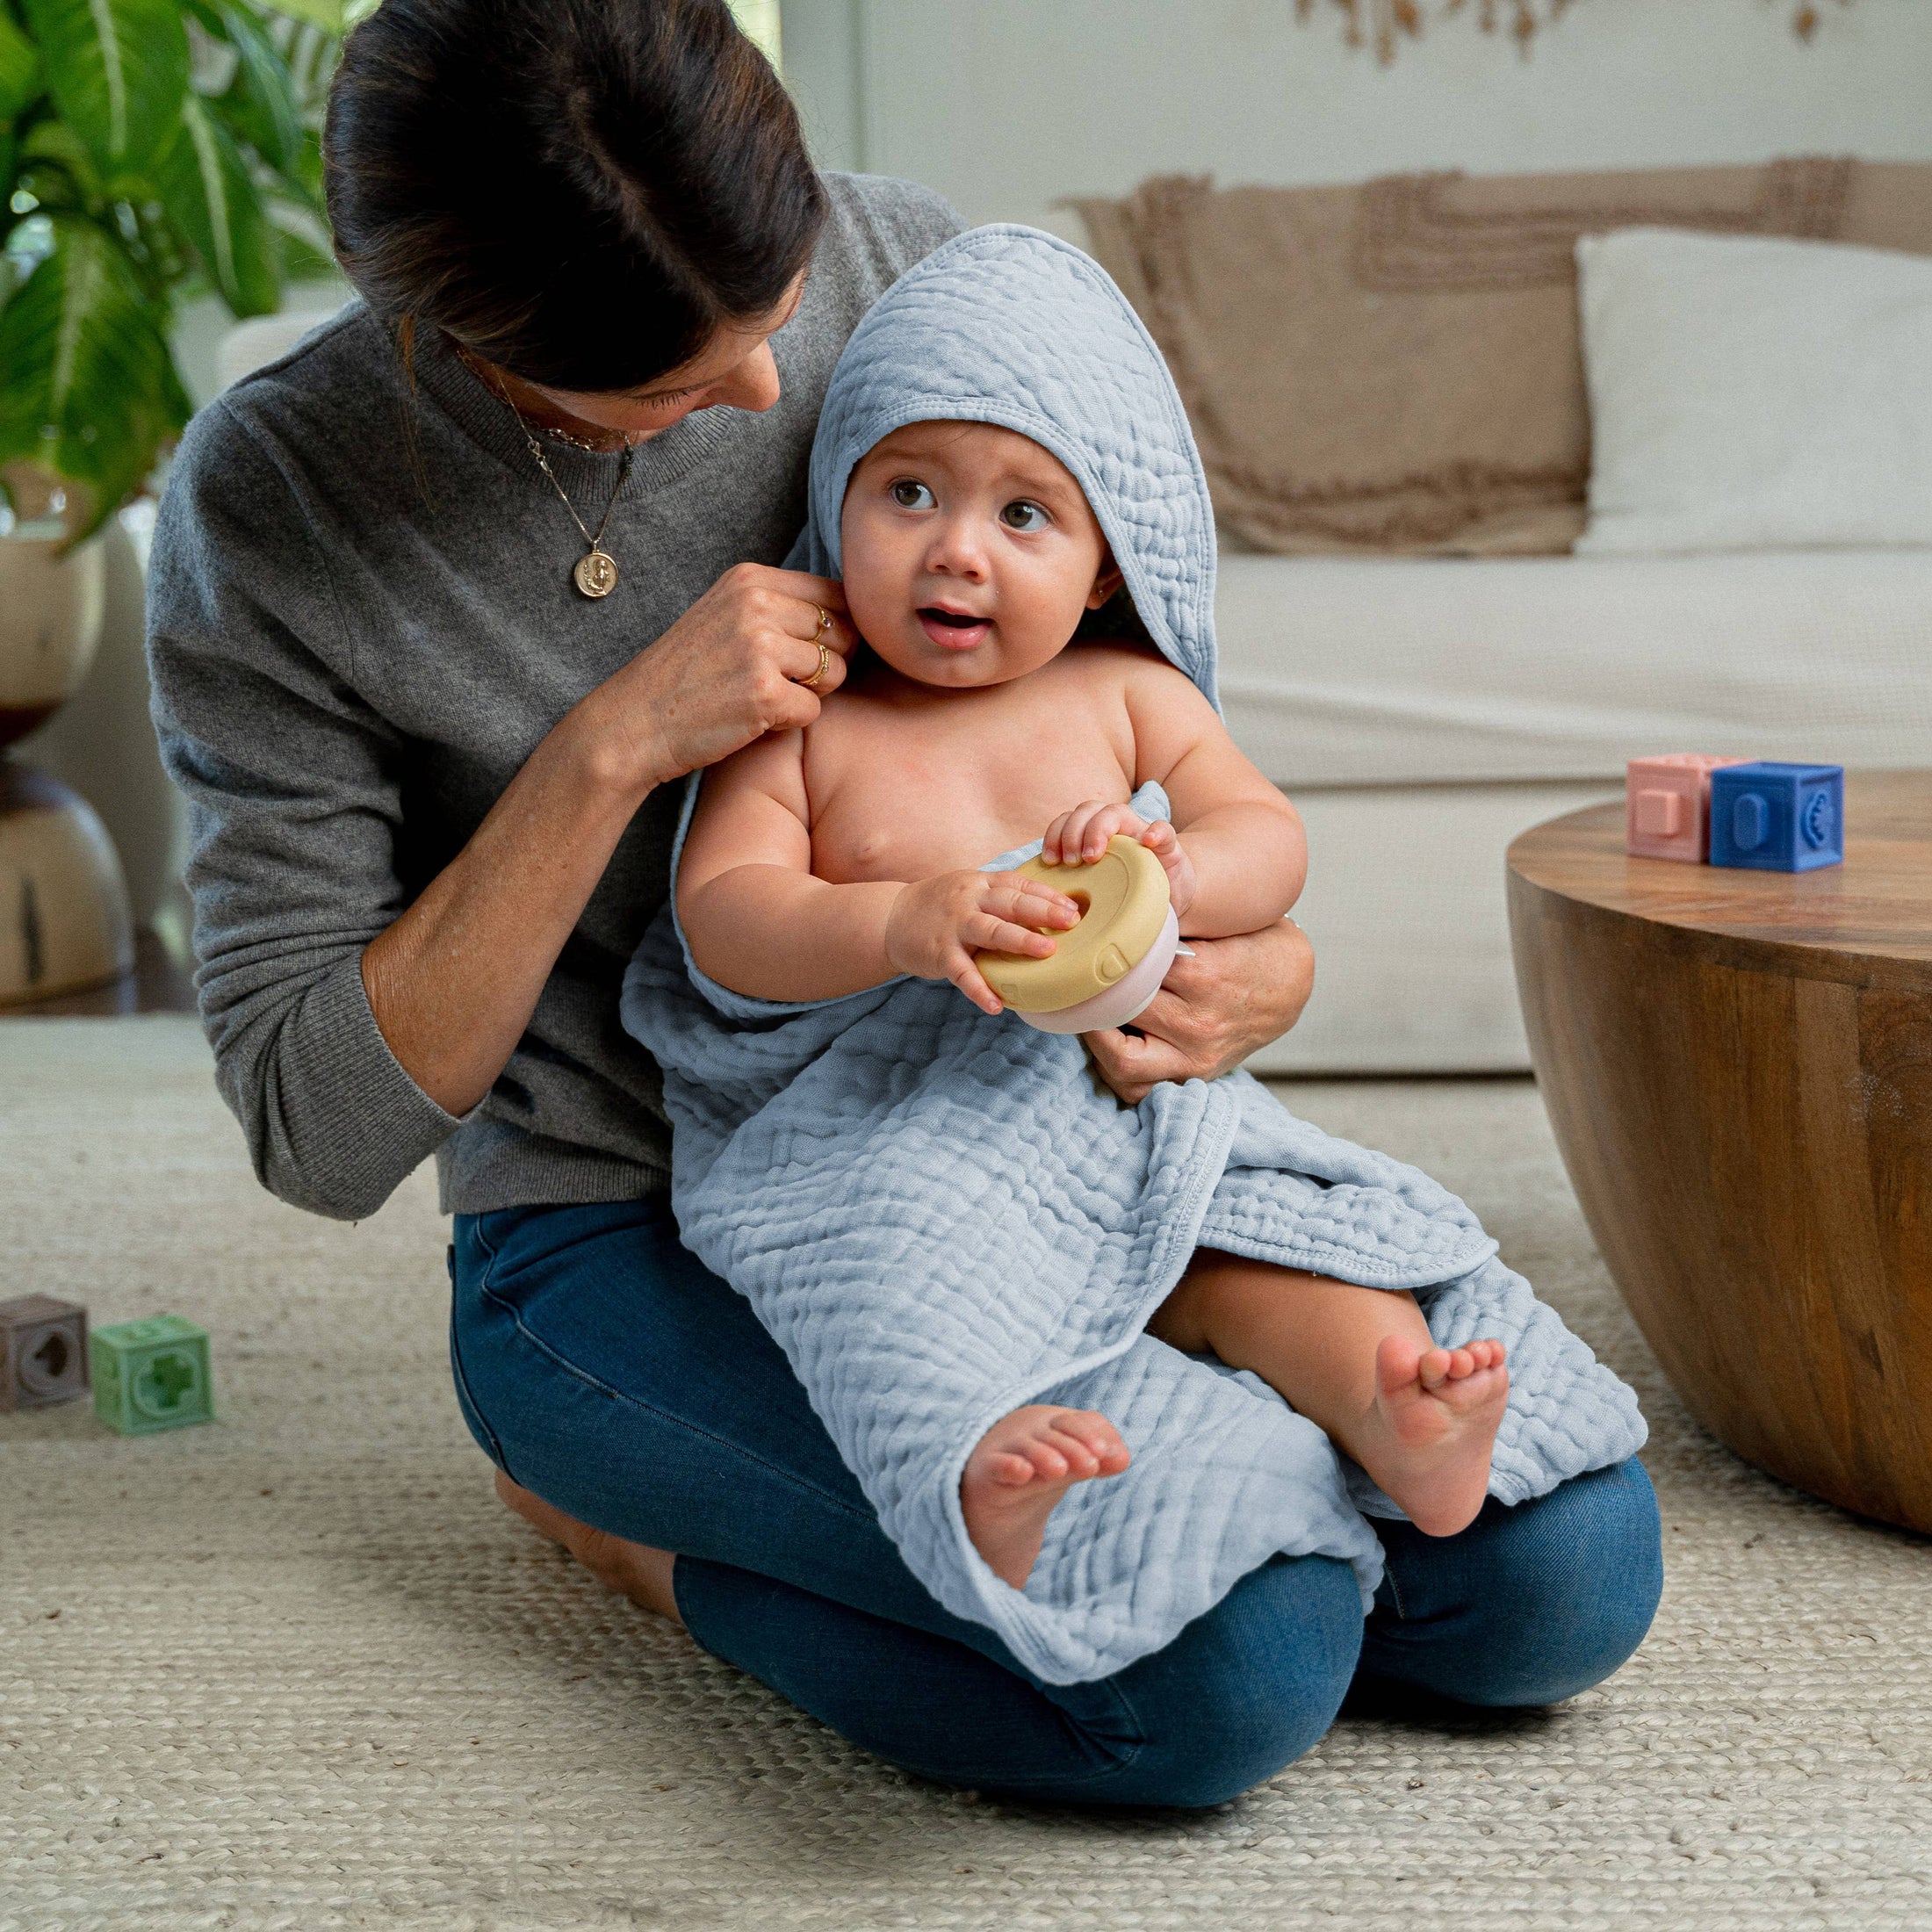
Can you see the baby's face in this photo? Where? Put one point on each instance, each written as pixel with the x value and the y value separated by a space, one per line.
pixel 970 553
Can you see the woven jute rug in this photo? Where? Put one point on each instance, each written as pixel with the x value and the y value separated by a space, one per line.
pixel 298 1669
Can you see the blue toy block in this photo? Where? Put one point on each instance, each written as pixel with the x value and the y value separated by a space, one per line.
pixel 1775 818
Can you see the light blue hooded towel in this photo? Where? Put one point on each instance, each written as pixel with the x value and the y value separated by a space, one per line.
pixel 942 1215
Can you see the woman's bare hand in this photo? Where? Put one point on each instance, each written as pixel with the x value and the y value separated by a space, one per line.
pixel 935 927
pixel 1232 997
pixel 453 981
pixel 735 666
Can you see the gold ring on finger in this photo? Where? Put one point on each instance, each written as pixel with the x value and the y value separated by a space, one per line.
pixel 825 624
pixel 825 664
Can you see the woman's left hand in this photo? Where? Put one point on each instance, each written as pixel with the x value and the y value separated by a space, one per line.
pixel 1232 997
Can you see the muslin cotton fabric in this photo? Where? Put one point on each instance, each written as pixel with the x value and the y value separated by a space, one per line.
pixel 942 1215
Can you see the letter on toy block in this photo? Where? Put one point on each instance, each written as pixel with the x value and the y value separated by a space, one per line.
pixel 43 1351
pixel 1773 818
pixel 1667 805
pixel 152 1374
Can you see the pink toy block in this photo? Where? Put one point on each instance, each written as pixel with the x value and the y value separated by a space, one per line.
pixel 1667 805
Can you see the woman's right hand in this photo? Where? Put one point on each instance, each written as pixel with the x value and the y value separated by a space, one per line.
pixel 453 980
pixel 936 926
pixel 731 668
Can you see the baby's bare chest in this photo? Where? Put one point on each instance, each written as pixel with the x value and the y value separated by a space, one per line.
pixel 895 797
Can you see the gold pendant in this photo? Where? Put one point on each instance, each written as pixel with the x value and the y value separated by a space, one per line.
pixel 596 572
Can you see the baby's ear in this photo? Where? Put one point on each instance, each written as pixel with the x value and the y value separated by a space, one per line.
pixel 1105 584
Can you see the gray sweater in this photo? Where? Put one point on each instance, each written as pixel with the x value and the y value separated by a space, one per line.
pixel 360 625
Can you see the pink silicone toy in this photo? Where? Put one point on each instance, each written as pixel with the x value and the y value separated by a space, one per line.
pixel 1667 805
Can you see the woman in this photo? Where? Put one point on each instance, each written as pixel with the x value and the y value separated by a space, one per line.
pixel 441 606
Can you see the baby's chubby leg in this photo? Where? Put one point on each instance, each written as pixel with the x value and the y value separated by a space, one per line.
pixel 1359 1364
pixel 1019 1469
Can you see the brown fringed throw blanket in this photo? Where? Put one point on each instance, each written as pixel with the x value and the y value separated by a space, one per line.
pixel 1397 366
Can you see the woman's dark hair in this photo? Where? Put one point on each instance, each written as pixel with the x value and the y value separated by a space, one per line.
pixel 579 190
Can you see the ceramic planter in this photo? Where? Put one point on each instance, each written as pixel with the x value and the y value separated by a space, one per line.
pixel 64 919
pixel 50 623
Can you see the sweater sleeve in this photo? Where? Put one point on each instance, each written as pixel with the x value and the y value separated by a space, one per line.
pixel 294 794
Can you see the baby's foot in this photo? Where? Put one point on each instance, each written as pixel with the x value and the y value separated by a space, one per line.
pixel 1020 1468
pixel 1431 1428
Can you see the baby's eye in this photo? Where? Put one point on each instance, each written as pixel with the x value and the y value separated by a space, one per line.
pixel 1023 515
pixel 911 495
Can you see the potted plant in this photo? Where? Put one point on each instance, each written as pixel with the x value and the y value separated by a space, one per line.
pixel 151 151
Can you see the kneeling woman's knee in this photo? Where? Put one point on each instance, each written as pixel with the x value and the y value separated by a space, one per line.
pixel 1245 1689
pixel 1583 1575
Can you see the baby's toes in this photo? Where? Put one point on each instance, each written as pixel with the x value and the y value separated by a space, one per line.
pixel 1399 1363
pixel 1086 1450
pixel 1478 1356
pixel 1050 1461
pixel 1103 1458
pixel 1472 1393
pixel 1434 1367
pixel 1094 1433
pixel 1008 1467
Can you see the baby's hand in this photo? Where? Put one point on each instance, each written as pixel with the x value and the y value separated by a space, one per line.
pixel 1080 837
pixel 935 927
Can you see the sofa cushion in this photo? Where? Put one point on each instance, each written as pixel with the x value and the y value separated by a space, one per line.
pixel 1752 393
pixel 1354 671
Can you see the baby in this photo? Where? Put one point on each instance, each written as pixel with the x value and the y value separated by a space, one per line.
pixel 828 860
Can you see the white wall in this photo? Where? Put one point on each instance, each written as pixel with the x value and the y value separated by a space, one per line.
pixel 201 325
pixel 1004 105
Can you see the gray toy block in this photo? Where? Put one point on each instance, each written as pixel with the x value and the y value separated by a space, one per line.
pixel 43 1351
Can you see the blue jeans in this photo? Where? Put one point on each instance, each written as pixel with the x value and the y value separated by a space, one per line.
pixel 606 1369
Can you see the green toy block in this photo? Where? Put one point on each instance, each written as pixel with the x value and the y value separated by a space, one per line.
pixel 151 1374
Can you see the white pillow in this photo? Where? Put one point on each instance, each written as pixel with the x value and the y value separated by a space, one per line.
pixel 1748 393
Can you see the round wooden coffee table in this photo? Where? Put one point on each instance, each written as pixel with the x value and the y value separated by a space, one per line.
pixel 1738 1066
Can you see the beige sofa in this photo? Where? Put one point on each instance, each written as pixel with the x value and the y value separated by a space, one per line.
pixel 1422 711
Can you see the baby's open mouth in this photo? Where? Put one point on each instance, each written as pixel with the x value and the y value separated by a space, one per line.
pixel 955 630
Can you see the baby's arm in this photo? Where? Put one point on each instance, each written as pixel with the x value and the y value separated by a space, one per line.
pixel 1235 856
pixel 760 923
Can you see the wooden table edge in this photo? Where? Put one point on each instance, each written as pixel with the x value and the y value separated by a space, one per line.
pixel 1594 834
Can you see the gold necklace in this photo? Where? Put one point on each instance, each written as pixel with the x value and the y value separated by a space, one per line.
pixel 594 574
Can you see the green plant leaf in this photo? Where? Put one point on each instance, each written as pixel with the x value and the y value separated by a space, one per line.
pixel 117 69
pixel 304 243
pixel 51 143
pixel 89 391
pixel 262 105
pixel 206 187
pixel 303 262
pixel 51 138
pixel 20 76
pixel 328 15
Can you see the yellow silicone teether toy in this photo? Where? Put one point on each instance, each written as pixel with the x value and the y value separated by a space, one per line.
pixel 1106 970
